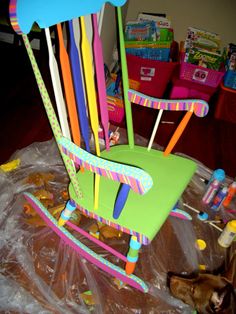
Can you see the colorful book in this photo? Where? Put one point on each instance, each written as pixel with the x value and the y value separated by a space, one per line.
pixel 141 31
pixel 231 57
pixel 161 21
pixel 202 39
pixel 204 58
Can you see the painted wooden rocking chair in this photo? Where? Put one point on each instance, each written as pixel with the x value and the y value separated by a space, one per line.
pixel 128 187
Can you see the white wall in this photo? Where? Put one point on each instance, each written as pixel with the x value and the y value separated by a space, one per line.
pixel 109 30
pixel 218 16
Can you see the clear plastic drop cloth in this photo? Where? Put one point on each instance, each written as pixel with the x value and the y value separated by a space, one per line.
pixel 41 274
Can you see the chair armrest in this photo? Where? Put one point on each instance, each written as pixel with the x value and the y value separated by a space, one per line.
pixel 139 180
pixel 198 106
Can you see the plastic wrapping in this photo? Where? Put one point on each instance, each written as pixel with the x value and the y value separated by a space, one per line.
pixel 40 274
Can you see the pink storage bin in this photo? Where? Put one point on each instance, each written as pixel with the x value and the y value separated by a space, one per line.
pixel 187 90
pixel 116 110
pixel 115 104
pixel 200 75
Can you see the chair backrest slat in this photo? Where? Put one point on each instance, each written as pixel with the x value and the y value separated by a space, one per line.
pixel 57 88
pixel 91 97
pixel 89 83
pixel 51 115
pixel 76 67
pixel 68 87
pixel 101 84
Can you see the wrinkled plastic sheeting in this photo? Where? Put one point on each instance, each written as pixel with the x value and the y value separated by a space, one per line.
pixel 40 274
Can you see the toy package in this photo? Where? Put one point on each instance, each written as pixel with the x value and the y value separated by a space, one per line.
pixel 202 48
pixel 161 21
pixel 230 65
pixel 202 39
pixel 204 58
pixel 231 57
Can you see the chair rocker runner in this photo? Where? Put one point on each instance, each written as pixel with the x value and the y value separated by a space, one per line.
pixel 127 187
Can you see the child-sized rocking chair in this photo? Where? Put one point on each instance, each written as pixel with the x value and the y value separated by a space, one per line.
pixel 128 187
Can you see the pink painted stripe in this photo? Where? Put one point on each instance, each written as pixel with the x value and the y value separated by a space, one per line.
pixel 141 238
pixel 98 242
pixel 123 277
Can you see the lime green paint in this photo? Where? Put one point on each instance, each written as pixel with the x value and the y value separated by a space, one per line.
pixel 144 214
pixel 132 252
pixel 125 81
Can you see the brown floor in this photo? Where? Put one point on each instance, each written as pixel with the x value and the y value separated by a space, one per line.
pixel 43 271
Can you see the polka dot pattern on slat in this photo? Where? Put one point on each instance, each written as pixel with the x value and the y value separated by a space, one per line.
pixel 51 115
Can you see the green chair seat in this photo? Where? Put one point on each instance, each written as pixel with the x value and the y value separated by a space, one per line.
pixel 142 215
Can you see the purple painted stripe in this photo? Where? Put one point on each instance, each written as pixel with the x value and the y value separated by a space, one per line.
pixel 135 183
pixel 99 171
pixel 140 188
pixel 141 101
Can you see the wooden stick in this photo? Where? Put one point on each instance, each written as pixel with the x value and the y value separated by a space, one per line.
pixel 155 129
pixel 178 132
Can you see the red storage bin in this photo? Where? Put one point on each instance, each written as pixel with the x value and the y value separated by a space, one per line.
pixel 226 105
pixel 152 75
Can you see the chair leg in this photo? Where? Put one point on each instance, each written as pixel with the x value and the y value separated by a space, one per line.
pixel 132 256
pixel 67 212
